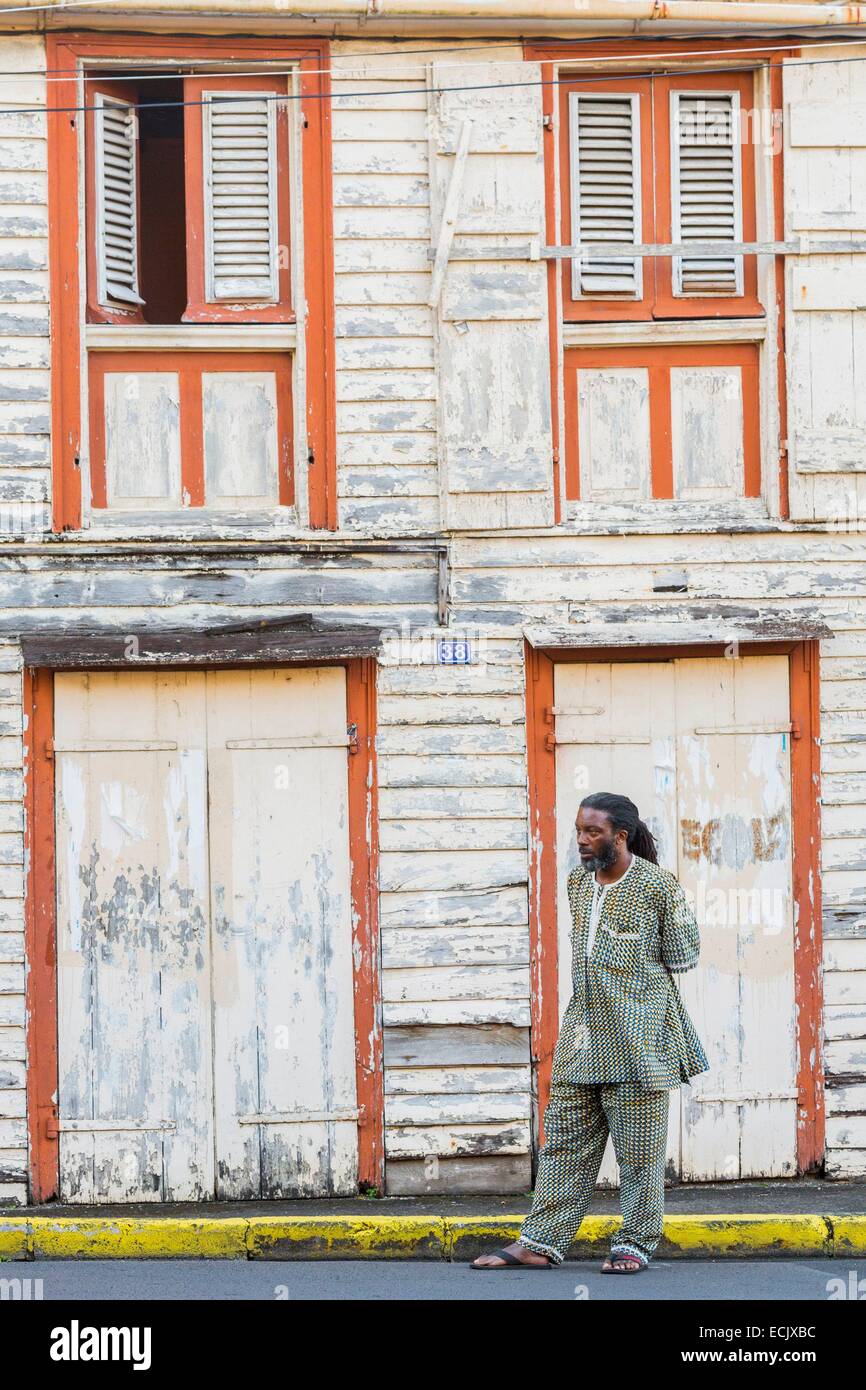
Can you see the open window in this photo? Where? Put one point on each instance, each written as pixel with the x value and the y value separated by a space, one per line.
pixel 206 218
pixel 189 205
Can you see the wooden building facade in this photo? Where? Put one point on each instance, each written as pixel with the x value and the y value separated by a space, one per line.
pixel 355 524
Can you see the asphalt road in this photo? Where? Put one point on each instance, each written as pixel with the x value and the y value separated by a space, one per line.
pixel 373 1281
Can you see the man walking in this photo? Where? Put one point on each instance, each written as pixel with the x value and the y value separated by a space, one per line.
pixel 626 1040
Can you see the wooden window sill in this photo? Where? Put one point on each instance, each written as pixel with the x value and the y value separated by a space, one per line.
pixel 191 337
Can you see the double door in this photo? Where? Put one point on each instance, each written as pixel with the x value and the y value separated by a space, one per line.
pixel 703 747
pixel 205 988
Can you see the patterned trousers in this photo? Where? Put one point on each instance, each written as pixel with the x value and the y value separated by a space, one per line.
pixel 577 1121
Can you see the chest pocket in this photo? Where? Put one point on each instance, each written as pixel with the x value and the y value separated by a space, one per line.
pixel 619 951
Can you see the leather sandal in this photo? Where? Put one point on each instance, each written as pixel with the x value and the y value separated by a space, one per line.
pixel 614 1256
pixel 511 1262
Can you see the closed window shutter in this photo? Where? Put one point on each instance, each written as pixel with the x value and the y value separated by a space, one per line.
pixel 706 189
pixel 240 197
pixel 605 191
pixel 116 159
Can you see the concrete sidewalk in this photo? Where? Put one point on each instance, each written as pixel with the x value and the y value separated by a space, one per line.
pixel 807 1217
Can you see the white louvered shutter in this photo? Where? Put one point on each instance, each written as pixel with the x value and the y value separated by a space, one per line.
pixel 706 189
pixel 240 197
pixel 116 158
pixel 605 191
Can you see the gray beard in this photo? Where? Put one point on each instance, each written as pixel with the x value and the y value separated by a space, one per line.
pixel 601 861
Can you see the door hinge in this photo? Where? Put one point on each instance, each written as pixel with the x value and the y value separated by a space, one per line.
pixel 550 738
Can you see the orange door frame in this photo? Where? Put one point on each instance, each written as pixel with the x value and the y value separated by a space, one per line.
pixel 65 53
pixel 40 925
pixel 803 658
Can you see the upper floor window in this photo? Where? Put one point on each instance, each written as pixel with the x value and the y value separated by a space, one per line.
pixel 658 160
pixel 188 199
pixel 190 390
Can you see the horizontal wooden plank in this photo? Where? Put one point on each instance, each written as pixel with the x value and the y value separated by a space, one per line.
pixel 384 255
pixel 395 191
pixel 383 480
pixel 380 156
pixel 384 125
pixel 417 384
pixel 457 1011
pixel 848 955
pixel 844 988
pixel 420 1177
pixel 457 1140
pixel 13 1046
pixel 844 1021
pixel 488 1045
pixel 846 1131
pixel 388 450
pixel 454 833
pixel 839 1100
pixel 829 286
pixel 430 803
pixel 357 224
pixel 386 321
pixel 420 769
pixel 435 710
pixel 389 516
pixel 475 1108
pixel 842 1164
pixel 407 947
pixel 845 1057
pixel 498 907
pixel 462 739
pixel 426 1081
pixel 815 124
pixel 13 1164
pixel 385 416
pixel 452 869
pixel 457 983
pixel 834 449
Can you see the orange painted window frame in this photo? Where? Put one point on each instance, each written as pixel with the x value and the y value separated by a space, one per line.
pixel 198 310
pixel 40 926
pixel 65 53
pixel 189 367
pixel 632 53
pixel 803 666
pixel 659 361
pixel 658 300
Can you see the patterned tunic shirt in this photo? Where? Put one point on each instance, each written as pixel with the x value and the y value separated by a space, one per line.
pixel 626 1020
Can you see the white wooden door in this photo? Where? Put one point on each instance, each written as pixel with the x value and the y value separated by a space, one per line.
pixel 284 1052
pixel 702 746
pixel 206 1041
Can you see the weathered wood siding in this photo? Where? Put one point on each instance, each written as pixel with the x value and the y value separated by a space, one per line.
pixel 25 480
pixel 453 908
pixel 452 765
pixel 13 1111
pixel 386 382
pixel 825 186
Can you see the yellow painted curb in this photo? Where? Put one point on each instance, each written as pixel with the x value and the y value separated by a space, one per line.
pixel 388 1236
pixel 849 1235
pixel 348 1237
pixel 744 1234
pixel 143 1238
pixel 14 1232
